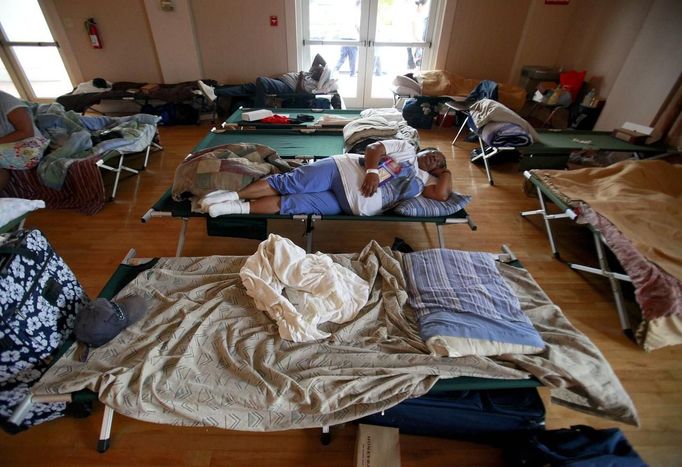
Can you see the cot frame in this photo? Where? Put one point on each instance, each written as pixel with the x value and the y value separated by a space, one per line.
pixel 485 154
pixel 101 163
pixel 603 270
pixel 309 221
pixel 113 286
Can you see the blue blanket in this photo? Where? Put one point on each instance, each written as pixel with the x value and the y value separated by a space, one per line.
pixel 462 294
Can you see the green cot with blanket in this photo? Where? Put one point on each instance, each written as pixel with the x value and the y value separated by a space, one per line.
pixel 378 353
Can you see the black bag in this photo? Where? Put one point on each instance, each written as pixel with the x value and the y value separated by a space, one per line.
pixel 39 297
pixel 470 415
pixel 419 112
pixel 579 446
pixel 173 113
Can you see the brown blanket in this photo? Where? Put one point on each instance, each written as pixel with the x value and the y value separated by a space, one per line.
pixel 643 199
pixel 206 356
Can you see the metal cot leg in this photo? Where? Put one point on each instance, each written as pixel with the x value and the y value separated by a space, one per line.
pixel 326 436
pixel 146 156
pixel 461 127
pixel 105 432
pixel 181 237
pixel 613 280
pixel 441 240
pixel 568 213
pixel 309 228
pixel 485 161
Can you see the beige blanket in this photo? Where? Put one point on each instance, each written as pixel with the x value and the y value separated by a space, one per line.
pixel 643 199
pixel 205 356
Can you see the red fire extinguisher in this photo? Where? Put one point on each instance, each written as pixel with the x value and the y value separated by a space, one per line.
pixel 91 27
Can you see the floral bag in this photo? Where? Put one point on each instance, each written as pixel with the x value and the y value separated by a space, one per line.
pixel 39 297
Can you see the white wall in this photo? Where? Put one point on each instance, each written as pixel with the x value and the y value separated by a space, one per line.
pixel 650 71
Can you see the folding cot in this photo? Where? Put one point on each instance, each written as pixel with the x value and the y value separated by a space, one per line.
pixel 289 141
pixel 206 376
pixel 551 145
pixel 82 185
pixel 657 291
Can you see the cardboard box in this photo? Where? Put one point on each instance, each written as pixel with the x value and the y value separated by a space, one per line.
pixel 377 446
pixel 630 136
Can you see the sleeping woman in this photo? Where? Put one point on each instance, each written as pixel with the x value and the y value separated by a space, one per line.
pixel 389 172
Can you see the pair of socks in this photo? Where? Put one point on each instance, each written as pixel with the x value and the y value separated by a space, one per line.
pixel 217 197
pixel 229 207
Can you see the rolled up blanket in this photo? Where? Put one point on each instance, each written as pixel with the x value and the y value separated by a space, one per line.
pixel 505 134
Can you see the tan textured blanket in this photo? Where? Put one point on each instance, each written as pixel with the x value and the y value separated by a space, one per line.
pixel 643 199
pixel 205 356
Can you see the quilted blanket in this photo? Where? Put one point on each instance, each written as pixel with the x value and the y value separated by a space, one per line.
pixel 205 356
pixel 226 167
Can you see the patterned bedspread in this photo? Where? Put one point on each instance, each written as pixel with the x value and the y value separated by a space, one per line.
pixel 205 356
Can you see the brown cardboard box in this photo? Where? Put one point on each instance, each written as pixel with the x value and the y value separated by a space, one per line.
pixel 630 136
pixel 377 446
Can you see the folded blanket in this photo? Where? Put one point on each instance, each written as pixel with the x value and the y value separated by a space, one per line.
pixel 505 134
pixel 366 127
pixel 487 110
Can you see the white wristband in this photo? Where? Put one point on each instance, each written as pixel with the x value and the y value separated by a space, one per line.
pixel 372 171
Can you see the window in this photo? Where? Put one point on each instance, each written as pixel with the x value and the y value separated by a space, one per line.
pixel 30 54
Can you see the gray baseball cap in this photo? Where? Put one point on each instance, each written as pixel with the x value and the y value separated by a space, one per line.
pixel 101 320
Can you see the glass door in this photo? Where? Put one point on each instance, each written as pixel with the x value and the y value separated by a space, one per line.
pixel 368 43
pixel 334 29
pixel 30 53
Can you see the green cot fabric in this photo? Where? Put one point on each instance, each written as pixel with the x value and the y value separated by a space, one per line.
pixel 558 142
pixel 286 144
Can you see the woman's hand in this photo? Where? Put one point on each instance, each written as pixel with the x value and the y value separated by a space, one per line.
pixel 369 185
pixel 443 187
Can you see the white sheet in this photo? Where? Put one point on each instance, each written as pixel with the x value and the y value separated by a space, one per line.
pixel 315 288
pixel 14 208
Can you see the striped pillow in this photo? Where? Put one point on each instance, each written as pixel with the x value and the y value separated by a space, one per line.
pixel 425 207
pixel 464 305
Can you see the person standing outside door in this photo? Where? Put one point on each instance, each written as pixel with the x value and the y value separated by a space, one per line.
pixel 351 32
pixel 420 21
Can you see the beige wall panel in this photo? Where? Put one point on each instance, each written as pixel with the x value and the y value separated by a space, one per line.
pixel 650 71
pixel 235 40
pixel 544 33
pixel 601 36
pixel 128 52
pixel 485 36
pixel 173 35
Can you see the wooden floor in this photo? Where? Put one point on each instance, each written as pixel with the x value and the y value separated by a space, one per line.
pixel 94 245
